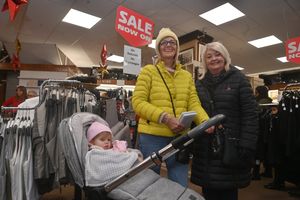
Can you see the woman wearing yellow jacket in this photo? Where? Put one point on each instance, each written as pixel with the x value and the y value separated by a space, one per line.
pixel 163 91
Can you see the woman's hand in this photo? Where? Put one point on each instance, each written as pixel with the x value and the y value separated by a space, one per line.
pixel 210 130
pixel 173 124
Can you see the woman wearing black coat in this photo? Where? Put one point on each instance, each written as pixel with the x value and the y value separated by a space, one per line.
pixel 220 165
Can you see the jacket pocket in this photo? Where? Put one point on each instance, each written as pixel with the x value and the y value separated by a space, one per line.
pixel 231 153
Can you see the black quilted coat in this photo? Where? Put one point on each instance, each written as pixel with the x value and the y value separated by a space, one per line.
pixel 230 94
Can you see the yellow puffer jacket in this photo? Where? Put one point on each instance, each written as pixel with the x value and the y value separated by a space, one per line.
pixel 151 98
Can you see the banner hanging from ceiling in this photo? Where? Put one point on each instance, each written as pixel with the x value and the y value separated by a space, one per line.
pixel 136 29
pixel 292 50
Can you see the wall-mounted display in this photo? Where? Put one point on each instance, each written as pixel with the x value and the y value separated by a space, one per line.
pixel 186 56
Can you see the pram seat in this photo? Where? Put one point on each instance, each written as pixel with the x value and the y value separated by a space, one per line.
pixel 149 185
pixel 137 184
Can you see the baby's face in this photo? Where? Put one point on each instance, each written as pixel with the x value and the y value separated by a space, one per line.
pixel 103 140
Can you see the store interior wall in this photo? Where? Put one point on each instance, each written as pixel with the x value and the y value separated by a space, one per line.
pixel 12 82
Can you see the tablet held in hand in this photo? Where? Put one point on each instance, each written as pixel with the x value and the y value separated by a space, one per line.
pixel 186 118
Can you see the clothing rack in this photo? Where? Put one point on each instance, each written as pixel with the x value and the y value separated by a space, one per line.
pixel 41 90
pixel 46 88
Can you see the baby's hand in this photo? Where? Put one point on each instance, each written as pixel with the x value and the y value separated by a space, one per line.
pixel 120 145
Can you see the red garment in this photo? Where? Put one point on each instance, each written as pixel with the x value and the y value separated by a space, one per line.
pixel 12 102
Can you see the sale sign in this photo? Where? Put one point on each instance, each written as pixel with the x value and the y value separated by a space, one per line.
pixel 136 29
pixel 292 50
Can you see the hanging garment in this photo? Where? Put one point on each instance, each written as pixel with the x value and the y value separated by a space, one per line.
pixel 3 138
pixel 29 183
pixel 117 127
pixel 15 166
pixel 111 112
pixel 39 150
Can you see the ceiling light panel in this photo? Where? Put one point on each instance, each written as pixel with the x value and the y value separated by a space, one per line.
pixel 81 19
pixel 282 59
pixel 222 14
pixel 266 41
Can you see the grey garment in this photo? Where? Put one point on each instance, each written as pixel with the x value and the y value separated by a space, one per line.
pixel 31 191
pixel 124 134
pixel 15 166
pixel 40 157
pixel 88 107
pixel 111 112
pixel 70 154
pixel 149 185
pixel 9 146
pixel 73 141
pixel 70 106
pixel 117 127
pixel 52 151
pixel 38 146
pixel 40 118
pixel 3 173
pixel 54 115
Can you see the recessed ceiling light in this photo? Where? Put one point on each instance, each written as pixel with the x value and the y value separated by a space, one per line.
pixel 239 68
pixel 81 19
pixel 222 14
pixel 266 41
pixel 152 45
pixel 115 58
pixel 282 59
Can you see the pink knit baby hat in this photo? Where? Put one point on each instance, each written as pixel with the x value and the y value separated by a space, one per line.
pixel 95 129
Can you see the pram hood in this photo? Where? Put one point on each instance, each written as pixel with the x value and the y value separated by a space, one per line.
pixel 72 135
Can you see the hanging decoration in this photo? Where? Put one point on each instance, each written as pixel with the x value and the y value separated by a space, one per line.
pixel 13 6
pixel 103 64
pixel 104 55
pixel 16 64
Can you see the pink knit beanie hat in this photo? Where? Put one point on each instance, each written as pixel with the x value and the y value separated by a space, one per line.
pixel 95 129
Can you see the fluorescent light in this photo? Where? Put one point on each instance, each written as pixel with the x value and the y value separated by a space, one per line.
pixel 81 19
pixel 239 68
pixel 152 45
pixel 282 59
pixel 222 14
pixel 115 58
pixel 266 41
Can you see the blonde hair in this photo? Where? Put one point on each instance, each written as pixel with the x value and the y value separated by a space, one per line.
pixel 31 93
pixel 217 46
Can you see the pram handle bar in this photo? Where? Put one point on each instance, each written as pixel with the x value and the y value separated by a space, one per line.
pixel 158 157
pixel 185 140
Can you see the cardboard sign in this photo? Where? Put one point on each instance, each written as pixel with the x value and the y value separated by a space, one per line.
pixel 292 50
pixel 136 29
pixel 132 60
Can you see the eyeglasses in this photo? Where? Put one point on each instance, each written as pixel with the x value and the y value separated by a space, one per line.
pixel 166 42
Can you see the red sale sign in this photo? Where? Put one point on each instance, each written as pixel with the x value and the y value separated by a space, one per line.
pixel 292 50
pixel 136 29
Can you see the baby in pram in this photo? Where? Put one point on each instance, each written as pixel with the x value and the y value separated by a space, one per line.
pixel 107 159
pixel 93 167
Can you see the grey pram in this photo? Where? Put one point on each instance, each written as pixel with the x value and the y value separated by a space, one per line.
pixel 139 182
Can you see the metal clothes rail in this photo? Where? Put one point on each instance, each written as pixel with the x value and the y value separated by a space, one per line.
pixel 41 92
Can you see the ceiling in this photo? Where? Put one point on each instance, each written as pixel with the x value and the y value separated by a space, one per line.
pixel 43 35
